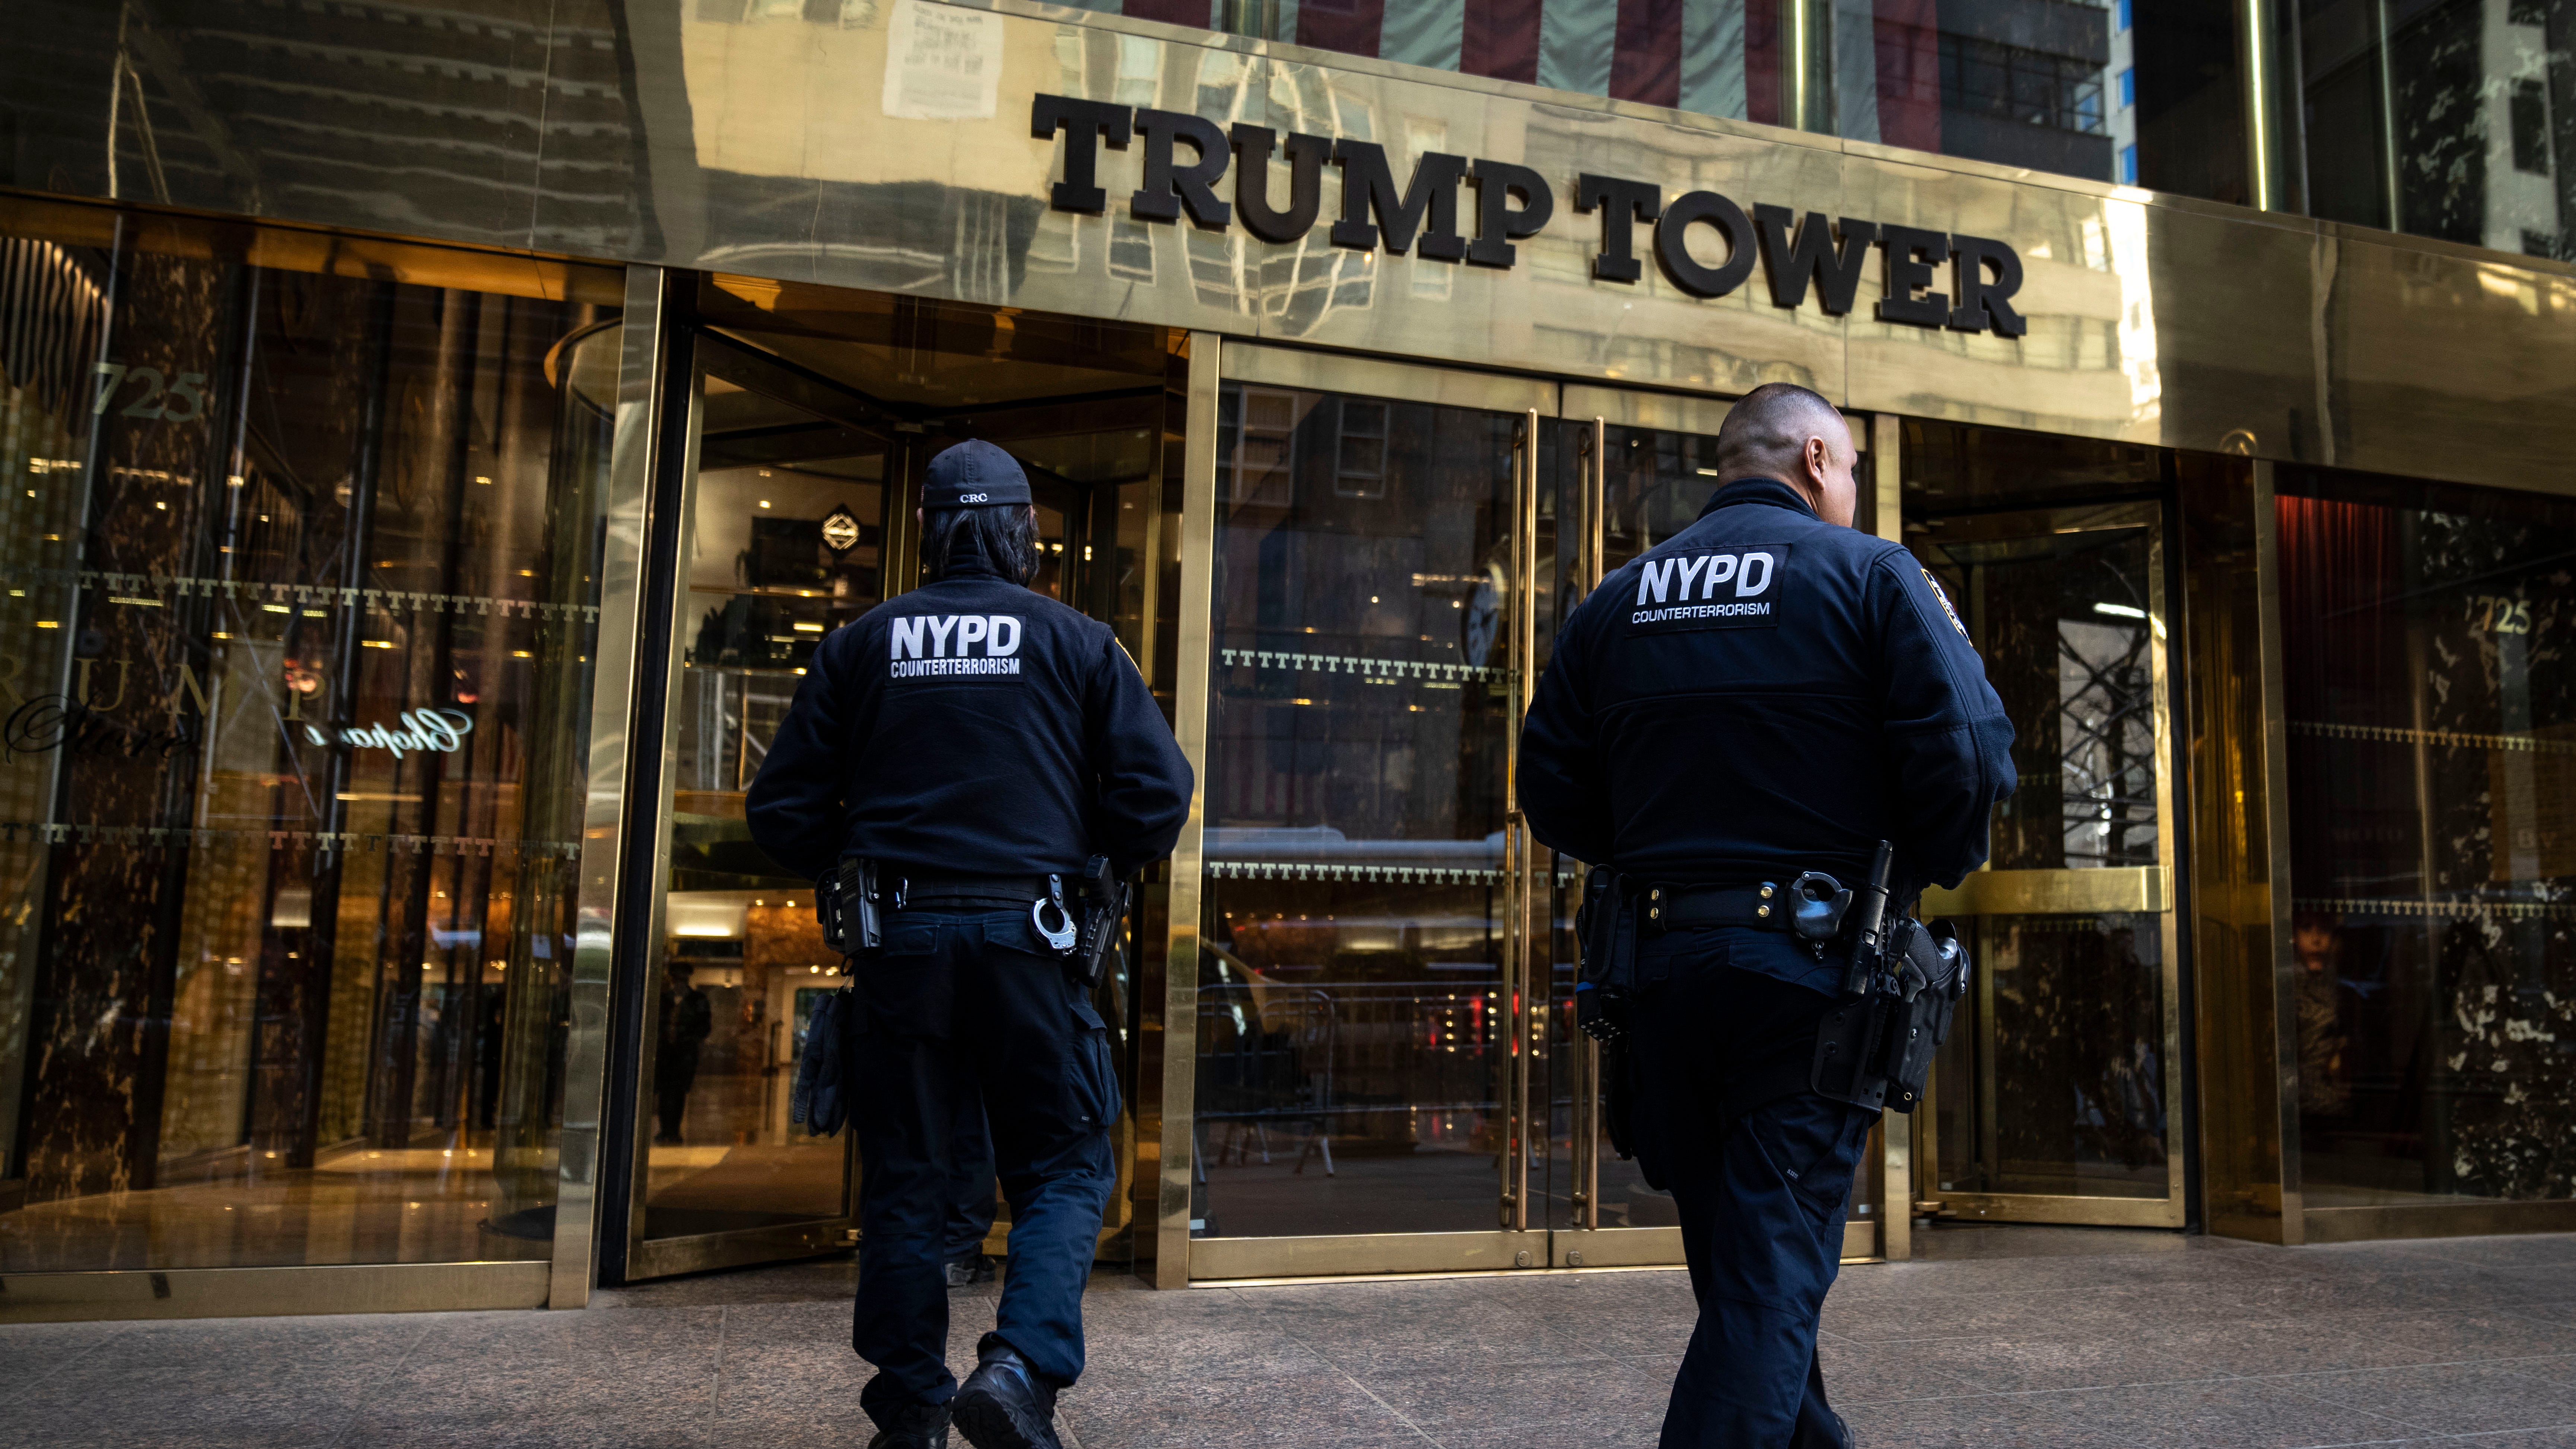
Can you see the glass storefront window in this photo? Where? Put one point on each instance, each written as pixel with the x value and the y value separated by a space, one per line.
pixel 2454 120
pixel 2432 753
pixel 301 539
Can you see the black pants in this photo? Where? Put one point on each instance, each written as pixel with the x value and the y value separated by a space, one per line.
pixel 971 1205
pixel 955 1009
pixel 1762 1197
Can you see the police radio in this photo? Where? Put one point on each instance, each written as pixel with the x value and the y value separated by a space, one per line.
pixel 845 903
pixel 1104 910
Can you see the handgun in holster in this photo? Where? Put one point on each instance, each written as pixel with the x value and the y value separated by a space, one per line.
pixel 1104 914
pixel 1901 985
pixel 845 902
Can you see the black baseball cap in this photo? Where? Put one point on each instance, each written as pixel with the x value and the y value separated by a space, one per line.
pixel 973 474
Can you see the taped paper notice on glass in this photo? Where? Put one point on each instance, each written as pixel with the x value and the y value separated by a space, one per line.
pixel 942 64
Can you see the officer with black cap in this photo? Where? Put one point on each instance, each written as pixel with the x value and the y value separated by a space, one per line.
pixel 1766 693
pixel 975 744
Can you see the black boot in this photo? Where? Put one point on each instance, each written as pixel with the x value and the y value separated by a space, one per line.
pixel 916 1426
pixel 1004 1404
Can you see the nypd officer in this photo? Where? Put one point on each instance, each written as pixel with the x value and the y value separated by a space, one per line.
pixel 1765 693
pixel 973 739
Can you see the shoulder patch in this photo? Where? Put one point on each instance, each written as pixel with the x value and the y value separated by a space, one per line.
pixel 1738 586
pixel 1944 596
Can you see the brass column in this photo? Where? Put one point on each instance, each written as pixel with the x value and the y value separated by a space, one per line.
pixel 1190 685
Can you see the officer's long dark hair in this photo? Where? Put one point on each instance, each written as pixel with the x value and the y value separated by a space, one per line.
pixel 1005 537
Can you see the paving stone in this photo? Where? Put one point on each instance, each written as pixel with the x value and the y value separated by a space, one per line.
pixel 2447 1398
pixel 2112 1339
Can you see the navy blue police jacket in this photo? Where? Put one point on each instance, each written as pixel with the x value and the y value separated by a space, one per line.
pixel 972 727
pixel 1761 694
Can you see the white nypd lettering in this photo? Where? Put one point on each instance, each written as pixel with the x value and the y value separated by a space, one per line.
pixel 1708 589
pixel 1657 578
pixel 1750 570
pixel 986 644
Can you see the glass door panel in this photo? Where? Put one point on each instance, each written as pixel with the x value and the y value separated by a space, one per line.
pixel 1356 1072
pixel 783 542
pixel 2052 1101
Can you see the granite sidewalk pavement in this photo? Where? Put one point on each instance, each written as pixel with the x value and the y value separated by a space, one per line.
pixel 2052 1338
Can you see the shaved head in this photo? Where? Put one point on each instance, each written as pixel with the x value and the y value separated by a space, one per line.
pixel 1786 432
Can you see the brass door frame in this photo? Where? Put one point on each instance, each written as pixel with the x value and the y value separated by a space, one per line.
pixel 2139 890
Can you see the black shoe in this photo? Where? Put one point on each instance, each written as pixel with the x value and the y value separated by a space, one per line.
pixel 968 1271
pixel 921 1426
pixel 1005 1405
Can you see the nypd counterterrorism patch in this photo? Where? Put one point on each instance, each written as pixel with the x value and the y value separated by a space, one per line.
pixel 1944 596
pixel 1742 586
pixel 955 646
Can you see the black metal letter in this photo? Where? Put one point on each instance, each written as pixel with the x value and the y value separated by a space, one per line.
pixel 1253 146
pixel 1672 236
pixel 1167 187
pixel 1790 264
pixel 1981 303
pixel 1368 184
pixel 1497 226
pixel 1909 272
pixel 1083 124
pixel 1626 203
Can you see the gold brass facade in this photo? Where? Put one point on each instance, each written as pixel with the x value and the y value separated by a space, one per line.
pixel 2153 319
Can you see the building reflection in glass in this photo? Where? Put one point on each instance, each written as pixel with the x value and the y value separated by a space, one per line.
pixel 2432 749
pixel 302 570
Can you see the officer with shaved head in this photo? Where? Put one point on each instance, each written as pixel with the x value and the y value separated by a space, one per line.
pixel 1766 694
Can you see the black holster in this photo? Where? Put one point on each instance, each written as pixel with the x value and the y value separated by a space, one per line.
pixel 1104 918
pixel 1876 1051
pixel 1605 927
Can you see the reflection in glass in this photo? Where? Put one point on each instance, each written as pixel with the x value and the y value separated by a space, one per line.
pixel 2062 620
pixel 2053 1082
pixel 302 587
pixel 1351 1031
pixel 2454 119
pixel 2432 753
